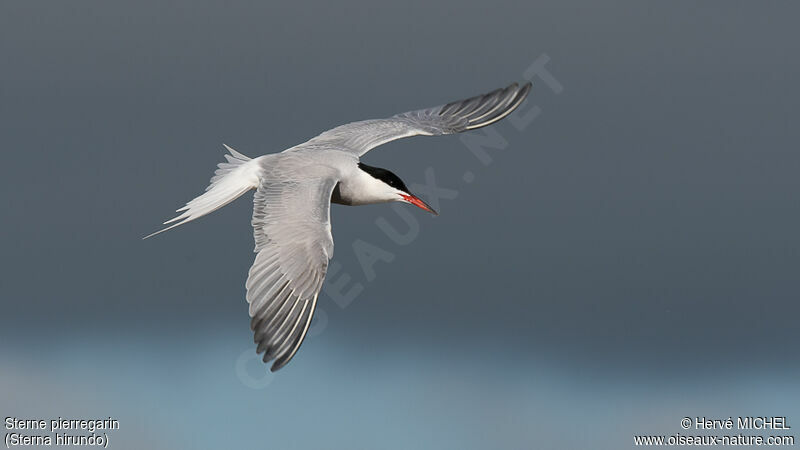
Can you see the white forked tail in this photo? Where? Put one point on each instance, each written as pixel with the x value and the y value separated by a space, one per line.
pixel 230 181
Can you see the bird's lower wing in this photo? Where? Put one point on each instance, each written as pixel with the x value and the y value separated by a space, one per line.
pixel 455 117
pixel 291 223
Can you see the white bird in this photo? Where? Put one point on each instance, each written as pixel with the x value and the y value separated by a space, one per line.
pixel 291 208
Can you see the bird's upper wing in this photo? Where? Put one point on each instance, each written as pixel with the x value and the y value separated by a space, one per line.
pixel 291 222
pixel 455 117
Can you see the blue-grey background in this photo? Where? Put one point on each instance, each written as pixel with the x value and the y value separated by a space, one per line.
pixel 630 258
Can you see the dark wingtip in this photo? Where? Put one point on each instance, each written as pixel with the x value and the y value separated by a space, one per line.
pixel 278 364
pixel 526 88
pixel 522 93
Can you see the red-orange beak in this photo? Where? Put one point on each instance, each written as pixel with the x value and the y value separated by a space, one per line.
pixel 416 201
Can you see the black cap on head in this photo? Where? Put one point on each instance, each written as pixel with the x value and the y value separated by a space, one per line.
pixel 385 176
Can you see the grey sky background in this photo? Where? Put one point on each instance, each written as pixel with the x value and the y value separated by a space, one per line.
pixel 636 245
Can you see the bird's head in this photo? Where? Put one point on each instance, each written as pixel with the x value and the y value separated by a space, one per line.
pixel 393 188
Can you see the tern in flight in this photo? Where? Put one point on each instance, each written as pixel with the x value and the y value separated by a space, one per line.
pixel 291 207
